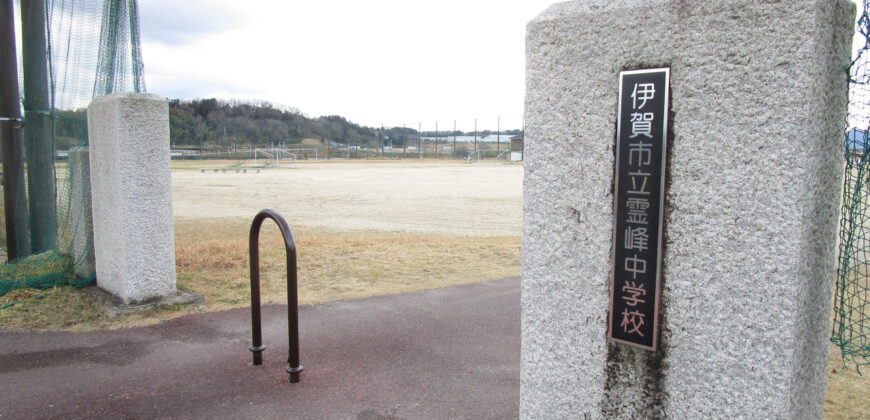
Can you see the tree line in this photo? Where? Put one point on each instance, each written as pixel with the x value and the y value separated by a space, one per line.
pixel 213 122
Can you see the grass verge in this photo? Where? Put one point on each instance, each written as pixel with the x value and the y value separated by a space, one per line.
pixel 336 266
pixel 846 395
pixel 212 260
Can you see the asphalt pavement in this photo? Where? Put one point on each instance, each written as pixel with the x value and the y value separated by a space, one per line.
pixel 437 354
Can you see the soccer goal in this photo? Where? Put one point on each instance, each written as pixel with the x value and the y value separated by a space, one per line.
pixel 278 158
pixel 284 159
pixel 473 157
pixel 265 156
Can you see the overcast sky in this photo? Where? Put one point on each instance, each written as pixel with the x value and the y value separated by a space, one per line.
pixel 373 62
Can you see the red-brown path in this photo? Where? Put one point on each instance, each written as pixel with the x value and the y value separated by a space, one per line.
pixel 447 353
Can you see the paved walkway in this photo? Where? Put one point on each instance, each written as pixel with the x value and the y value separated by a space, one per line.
pixel 448 353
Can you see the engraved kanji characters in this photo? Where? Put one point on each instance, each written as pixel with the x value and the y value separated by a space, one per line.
pixel 642 92
pixel 632 321
pixel 636 211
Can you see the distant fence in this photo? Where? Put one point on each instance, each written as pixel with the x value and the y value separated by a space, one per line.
pixel 488 152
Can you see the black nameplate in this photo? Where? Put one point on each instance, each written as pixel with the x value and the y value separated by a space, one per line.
pixel 641 142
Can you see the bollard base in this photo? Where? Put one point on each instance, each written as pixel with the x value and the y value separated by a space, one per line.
pixel 295 374
pixel 258 354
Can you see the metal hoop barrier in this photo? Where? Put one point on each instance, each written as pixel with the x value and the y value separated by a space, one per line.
pixel 257 347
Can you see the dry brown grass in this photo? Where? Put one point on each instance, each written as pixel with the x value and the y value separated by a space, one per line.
pixel 65 308
pixel 56 308
pixel 848 393
pixel 847 390
pixel 335 266
pixel 212 260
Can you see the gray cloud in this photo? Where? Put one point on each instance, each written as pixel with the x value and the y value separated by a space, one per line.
pixel 174 22
pixel 187 89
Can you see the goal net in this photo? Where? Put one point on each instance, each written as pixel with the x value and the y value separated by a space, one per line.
pixel 275 157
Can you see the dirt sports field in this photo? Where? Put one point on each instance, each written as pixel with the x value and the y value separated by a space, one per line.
pixel 393 196
pixel 362 228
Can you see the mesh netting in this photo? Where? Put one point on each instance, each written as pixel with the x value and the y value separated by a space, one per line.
pixel 851 325
pixel 70 52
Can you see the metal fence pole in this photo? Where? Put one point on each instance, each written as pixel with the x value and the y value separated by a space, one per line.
pixel 17 229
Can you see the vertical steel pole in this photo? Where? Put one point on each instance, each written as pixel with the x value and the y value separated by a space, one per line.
pixel 475 139
pixel 17 231
pixel 38 135
pixel 293 366
pixel 498 137
pixel 257 346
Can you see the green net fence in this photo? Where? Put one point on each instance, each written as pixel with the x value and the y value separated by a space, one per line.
pixel 851 322
pixel 70 52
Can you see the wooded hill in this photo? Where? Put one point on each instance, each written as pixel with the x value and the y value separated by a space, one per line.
pixel 215 122
pixel 218 123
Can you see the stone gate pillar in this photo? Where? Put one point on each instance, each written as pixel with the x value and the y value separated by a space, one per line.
pixel 752 183
pixel 132 196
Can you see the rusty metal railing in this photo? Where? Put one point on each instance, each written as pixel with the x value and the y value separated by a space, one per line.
pixel 257 347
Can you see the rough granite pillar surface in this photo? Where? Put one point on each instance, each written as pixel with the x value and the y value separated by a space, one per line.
pixel 132 196
pixel 758 99
pixel 81 218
